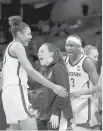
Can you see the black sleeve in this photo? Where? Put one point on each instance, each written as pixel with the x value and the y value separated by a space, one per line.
pixel 61 78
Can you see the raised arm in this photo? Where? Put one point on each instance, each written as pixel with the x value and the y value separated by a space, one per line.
pixel 19 51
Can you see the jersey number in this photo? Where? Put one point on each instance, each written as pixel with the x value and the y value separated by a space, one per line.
pixel 72 82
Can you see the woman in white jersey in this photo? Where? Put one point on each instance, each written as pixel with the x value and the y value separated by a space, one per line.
pixel 16 67
pixel 93 53
pixel 81 68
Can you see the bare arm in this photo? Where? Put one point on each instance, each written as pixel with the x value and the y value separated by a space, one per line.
pixel 90 68
pixel 19 51
pixel 94 89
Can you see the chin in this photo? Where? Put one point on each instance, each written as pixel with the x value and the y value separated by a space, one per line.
pixel 42 64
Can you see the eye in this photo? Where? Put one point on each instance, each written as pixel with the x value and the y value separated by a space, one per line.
pixel 41 51
pixel 71 45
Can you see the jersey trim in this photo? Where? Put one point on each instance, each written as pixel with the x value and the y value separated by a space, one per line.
pixel 9 52
pixel 77 61
pixel 66 59
pixel 30 110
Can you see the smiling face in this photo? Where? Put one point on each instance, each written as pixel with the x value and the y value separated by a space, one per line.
pixel 72 48
pixel 44 55
pixel 25 36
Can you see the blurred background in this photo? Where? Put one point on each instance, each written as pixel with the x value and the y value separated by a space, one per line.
pixel 53 21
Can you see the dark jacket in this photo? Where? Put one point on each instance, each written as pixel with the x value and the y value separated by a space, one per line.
pixel 53 104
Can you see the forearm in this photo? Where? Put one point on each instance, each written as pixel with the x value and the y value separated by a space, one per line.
pixel 39 78
pixel 92 90
pixel 88 91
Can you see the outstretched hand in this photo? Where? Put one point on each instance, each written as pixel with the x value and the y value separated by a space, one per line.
pixel 60 91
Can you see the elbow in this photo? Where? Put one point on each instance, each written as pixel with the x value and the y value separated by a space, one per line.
pixel 29 71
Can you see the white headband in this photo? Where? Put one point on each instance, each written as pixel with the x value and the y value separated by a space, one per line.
pixel 74 39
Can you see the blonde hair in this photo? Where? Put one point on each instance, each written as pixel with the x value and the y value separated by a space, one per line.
pixel 88 49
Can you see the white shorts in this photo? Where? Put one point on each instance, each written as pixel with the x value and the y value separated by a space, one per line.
pixel 80 110
pixel 12 104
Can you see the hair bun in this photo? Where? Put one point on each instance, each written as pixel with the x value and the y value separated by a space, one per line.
pixel 14 20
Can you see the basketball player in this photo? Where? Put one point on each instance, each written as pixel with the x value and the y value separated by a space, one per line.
pixel 81 68
pixel 16 67
pixel 93 53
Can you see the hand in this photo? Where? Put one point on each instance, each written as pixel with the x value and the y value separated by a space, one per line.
pixel 54 121
pixel 36 113
pixel 75 95
pixel 60 91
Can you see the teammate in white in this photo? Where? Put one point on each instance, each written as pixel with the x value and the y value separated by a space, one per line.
pixel 81 68
pixel 96 102
pixel 16 67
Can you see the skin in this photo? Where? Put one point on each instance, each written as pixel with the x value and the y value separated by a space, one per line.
pixel 94 55
pixel 73 51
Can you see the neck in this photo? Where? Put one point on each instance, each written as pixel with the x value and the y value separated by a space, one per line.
pixel 16 39
pixel 75 58
pixel 49 61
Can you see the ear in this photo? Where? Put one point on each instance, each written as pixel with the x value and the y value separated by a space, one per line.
pixel 51 54
pixel 19 34
pixel 79 48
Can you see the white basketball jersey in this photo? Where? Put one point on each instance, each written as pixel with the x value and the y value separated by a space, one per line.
pixel 77 76
pixel 13 72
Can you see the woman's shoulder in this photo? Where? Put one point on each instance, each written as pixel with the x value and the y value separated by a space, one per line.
pixel 59 67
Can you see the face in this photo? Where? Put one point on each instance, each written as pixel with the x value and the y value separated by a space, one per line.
pixel 25 36
pixel 45 56
pixel 94 55
pixel 72 48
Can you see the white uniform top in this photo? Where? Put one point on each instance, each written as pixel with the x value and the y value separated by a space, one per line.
pixel 78 78
pixel 13 72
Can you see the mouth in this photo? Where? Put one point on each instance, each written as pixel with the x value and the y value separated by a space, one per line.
pixel 40 58
pixel 29 41
pixel 69 51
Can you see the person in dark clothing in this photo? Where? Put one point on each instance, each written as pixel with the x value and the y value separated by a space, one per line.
pixel 50 114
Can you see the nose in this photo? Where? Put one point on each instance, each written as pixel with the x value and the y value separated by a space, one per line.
pixel 30 36
pixel 38 54
pixel 96 59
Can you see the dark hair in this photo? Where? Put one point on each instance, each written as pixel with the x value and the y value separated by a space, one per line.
pixel 16 24
pixel 57 55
